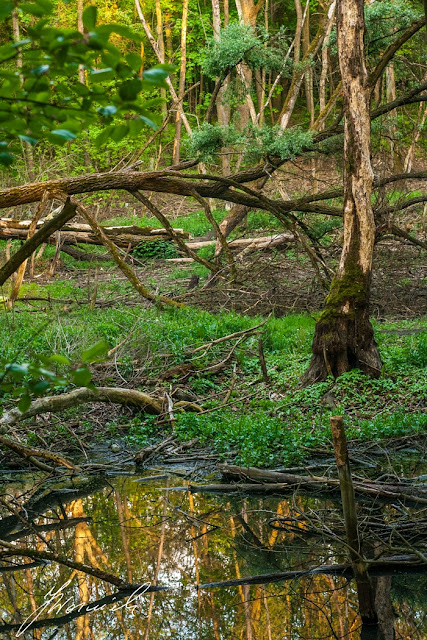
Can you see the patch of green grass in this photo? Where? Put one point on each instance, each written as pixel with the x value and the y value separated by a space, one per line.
pixel 194 222
pixel 275 425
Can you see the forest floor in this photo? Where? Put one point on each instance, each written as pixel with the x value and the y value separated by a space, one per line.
pixel 251 417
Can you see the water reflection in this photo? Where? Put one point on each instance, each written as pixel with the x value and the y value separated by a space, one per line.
pixel 150 533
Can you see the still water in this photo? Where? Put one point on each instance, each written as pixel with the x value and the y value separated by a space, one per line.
pixel 145 531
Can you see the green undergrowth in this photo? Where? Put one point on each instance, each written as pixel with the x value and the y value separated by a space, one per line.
pixel 266 425
pixel 196 223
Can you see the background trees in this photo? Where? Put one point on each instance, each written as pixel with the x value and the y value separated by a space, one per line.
pixel 257 87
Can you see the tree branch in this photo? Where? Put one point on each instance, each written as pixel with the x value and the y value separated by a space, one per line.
pixel 67 212
pixel 393 48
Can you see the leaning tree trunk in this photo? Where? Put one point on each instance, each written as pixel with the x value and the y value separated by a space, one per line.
pixel 344 338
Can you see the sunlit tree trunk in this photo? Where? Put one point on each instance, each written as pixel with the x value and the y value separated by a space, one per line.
pixel 391 95
pixel 248 12
pixel 223 111
pixel 325 60
pixel 308 78
pixel 161 58
pixel 421 120
pixel 161 46
pixel 300 69
pixel 26 147
pixel 181 86
pixel 80 27
pixel 344 338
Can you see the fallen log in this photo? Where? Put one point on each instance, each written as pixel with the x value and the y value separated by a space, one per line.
pixel 132 235
pixel 52 404
pixel 255 244
pixel 405 490
pixel 280 487
pixel 83 234
pixel 31 454
pixel 80 227
pixel 82 255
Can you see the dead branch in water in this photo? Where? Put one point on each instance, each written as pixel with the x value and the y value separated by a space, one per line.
pixel 405 490
pixel 385 566
pixel 53 404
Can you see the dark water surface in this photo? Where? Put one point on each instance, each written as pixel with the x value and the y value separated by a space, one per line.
pixel 145 531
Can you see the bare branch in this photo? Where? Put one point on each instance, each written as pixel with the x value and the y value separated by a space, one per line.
pixel 393 48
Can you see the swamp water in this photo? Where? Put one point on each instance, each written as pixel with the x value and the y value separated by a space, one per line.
pixel 146 530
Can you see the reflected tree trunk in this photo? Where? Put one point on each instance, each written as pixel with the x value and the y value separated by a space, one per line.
pixel 123 531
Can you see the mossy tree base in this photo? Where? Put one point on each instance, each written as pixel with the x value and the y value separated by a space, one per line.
pixel 344 337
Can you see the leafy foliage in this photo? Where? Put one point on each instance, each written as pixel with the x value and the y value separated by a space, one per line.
pixel 384 20
pixel 256 142
pixel 154 249
pixel 240 43
pixel 41 97
pixel 47 374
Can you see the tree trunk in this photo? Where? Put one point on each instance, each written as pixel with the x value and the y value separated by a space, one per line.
pixel 161 46
pixel 222 109
pixel 248 12
pixel 181 87
pixel 80 28
pixel 344 338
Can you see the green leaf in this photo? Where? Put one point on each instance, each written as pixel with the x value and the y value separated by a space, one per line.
pixel 118 132
pixel 5 9
pixel 64 134
pixel 59 359
pixel 46 4
pixel 156 76
pixel 28 139
pixel 134 61
pixel 34 9
pixel 99 75
pixel 6 51
pixel 18 369
pixel 89 17
pixel 103 137
pixel 149 122
pixel 21 43
pixel 40 70
pixel 40 387
pixel 107 111
pixel 129 90
pixel 6 159
pixel 96 351
pixel 81 89
pixel 81 377
pixel 24 403
pixel 135 127
pixel 121 30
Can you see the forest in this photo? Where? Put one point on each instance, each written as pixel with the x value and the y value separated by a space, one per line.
pixel 213 311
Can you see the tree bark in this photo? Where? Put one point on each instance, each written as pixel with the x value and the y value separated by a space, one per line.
pixel 344 338
pixel 222 109
pixel 67 212
pixel 181 87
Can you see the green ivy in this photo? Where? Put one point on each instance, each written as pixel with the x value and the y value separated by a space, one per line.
pixel 155 250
